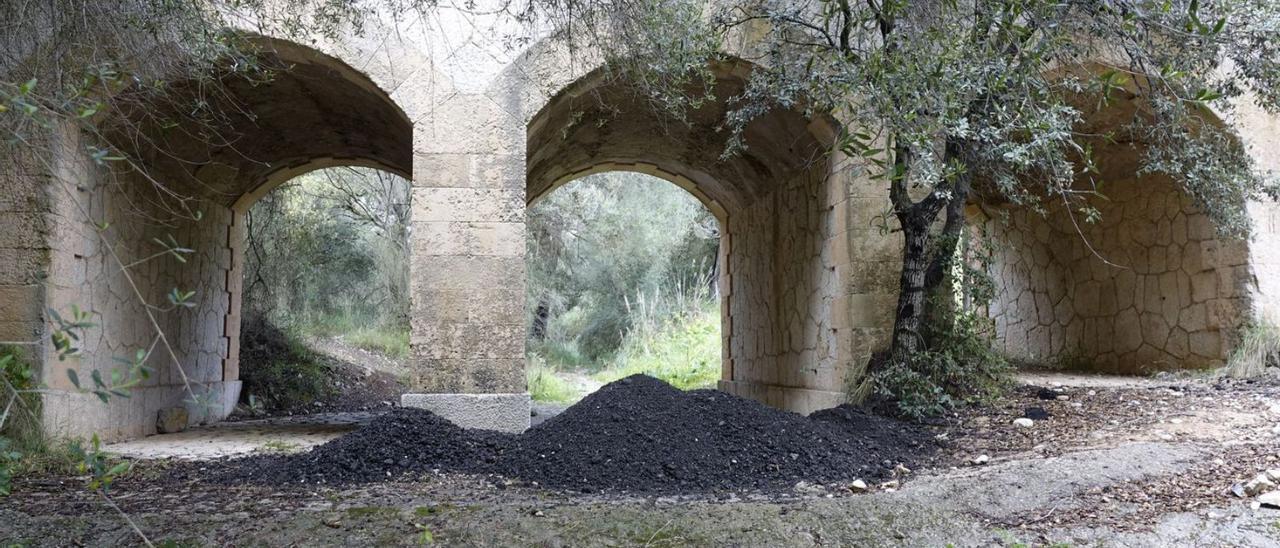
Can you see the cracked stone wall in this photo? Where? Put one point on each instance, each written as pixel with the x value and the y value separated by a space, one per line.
pixel 1150 287
pixel 782 345
pixel 84 272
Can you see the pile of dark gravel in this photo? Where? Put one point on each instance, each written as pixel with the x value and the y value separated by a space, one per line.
pixel 638 434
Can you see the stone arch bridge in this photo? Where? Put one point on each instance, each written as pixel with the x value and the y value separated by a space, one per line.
pixel 809 279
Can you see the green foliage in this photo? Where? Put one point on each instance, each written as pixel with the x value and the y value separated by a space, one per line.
pixel 365 333
pixel 19 403
pixel 683 350
pixel 8 460
pixel 598 243
pixel 328 257
pixel 119 381
pixel 278 370
pixel 959 364
pixel 101 469
pixel 960 367
pixel 545 385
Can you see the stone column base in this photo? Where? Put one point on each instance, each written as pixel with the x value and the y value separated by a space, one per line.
pixel 796 400
pixel 501 412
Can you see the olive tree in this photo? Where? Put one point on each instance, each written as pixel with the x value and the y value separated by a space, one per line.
pixel 940 99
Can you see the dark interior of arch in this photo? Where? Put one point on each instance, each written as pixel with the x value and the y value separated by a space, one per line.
pixel 308 106
pixel 603 119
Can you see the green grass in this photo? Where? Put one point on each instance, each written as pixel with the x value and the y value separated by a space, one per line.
pixel 1259 348
pixel 683 351
pixel 367 334
pixel 388 341
pixel 545 385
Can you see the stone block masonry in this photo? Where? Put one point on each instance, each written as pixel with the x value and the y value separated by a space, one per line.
pixel 808 275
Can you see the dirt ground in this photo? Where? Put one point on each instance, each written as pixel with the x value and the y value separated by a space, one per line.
pixel 1117 462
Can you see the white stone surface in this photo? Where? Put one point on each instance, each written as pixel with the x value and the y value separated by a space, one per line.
pixel 501 412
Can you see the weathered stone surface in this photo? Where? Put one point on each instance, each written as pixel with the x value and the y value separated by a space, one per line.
pixel 172 420
pixel 501 412
pixel 808 277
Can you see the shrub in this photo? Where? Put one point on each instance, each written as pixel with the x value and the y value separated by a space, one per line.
pixel 960 367
pixel 277 368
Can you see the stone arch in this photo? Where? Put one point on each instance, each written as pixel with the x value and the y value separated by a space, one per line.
pixel 780 236
pixel 1151 286
pixel 314 111
pixel 348 121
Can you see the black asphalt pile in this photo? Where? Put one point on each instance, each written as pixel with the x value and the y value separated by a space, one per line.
pixel 399 443
pixel 638 434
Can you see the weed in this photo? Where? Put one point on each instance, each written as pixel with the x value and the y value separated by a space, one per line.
pixel 1259 349
pixel 545 385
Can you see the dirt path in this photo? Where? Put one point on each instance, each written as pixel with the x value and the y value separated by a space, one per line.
pixel 1133 465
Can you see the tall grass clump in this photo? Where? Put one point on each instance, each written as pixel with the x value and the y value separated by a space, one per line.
pixel 545 385
pixel 676 339
pixel 1258 351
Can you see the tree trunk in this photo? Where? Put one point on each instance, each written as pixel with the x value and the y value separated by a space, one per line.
pixel 541 315
pixel 924 263
pixel 911 286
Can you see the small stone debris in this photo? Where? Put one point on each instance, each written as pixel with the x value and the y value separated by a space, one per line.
pixel 1024 422
pixel 1049 394
pixel 858 486
pixel 1259 485
pixel 901 470
pixel 1269 500
pixel 1237 489
pixel 1275 409
pixel 1063 397
pixel 981 460
pixel 1036 413
pixel 891 485
pixel 172 420
pixel 806 488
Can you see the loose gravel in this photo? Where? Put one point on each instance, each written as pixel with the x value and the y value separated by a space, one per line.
pixel 637 434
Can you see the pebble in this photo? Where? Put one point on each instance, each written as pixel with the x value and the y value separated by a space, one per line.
pixel 1258 485
pixel 858 486
pixel 1024 422
pixel 981 459
pixel 891 485
pixel 1270 500
pixel 1092 393
pixel 1063 397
